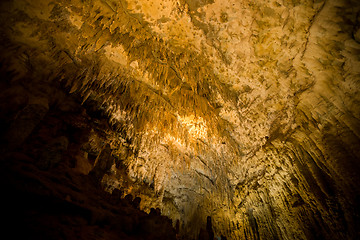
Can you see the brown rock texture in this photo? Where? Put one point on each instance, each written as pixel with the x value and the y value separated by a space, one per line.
pixel 243 111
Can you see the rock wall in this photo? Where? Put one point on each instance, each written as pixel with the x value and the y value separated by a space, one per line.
pixel 245 111
pixel 47 191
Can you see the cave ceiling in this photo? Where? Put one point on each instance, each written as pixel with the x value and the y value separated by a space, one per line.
pixel 245 111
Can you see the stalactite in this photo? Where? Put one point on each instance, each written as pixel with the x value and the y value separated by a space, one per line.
pixel 264 96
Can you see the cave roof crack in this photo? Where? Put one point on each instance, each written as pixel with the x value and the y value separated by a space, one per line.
pixel 312 21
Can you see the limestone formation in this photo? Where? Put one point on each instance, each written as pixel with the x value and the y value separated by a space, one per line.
pixel 244 111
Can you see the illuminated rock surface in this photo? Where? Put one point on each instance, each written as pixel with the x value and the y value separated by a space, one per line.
pixel 244 111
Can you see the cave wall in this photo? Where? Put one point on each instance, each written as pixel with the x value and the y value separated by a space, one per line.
pixel 245 111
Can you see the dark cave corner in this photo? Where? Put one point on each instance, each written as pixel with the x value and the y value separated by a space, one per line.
pixel 49 188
